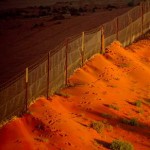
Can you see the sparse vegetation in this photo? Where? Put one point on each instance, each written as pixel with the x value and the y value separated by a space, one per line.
pixel 105 115
pixel 132 121
pixel 138 103
pixel 96 143
pixel 113 107
pixel 109 128
pixel 98 126
pixel 62 94
pixel 123 65
pixel 121 145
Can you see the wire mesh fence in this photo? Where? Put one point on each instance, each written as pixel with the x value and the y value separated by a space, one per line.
pixel 51 72
pixel 73 51
pixel 92 42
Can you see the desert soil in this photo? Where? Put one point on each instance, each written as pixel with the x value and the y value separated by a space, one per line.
pixel 105 89
pixel 21 45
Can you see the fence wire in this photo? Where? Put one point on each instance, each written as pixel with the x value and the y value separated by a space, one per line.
pixel 57 70
pixel 74 55
pixel 92 42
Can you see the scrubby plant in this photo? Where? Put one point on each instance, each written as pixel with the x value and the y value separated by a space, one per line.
pixel 105 115
pixel 98 126
pixel 125 121
pixel 132 121
pixel 121 145
pixel 109 128
pixel 62 94
pixel 123 65
pixel 105 121
pixel 113 107
pixel 138 103
pixel 96 143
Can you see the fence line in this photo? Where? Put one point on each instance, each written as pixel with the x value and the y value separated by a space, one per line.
pixel 52 71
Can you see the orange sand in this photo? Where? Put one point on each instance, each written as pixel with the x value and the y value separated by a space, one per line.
pixel 120 77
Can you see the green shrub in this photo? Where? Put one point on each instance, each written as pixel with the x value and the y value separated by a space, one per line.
pixel 98 126
pixel 109 128
pixel 105 115
pixel 138 103
pixel 125 121
pixel 132 121
pixel 114 107
pixel 121 145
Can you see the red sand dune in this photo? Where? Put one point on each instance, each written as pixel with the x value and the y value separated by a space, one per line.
pixel 118 78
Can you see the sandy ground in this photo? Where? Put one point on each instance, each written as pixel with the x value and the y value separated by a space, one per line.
pixel 21 46
pixel 105 89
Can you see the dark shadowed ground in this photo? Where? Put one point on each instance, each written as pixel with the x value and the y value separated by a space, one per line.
pixel 21 43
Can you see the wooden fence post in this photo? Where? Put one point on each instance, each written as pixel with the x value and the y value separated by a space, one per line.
pixel 48 69
pixel 117 28
pixel 100 29
pixel 142 15
pixel 66 62
pixel 82 48
pixel 102 41
pixel 26 89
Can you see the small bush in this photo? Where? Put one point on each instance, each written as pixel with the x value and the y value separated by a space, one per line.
pixel 109 128
pixel 98 126
pixel 132 121
pixel 62 94
pixel 105 115
pixel 121 145
pixel 125 121
pixel 123 65
pixel 114 107
pixel 138 103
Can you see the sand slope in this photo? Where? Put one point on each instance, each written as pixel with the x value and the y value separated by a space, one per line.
pixel 118 78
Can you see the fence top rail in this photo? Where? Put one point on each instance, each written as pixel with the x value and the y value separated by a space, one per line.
pixel 53 51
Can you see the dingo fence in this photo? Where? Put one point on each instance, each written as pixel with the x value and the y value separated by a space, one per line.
pixel 51 72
